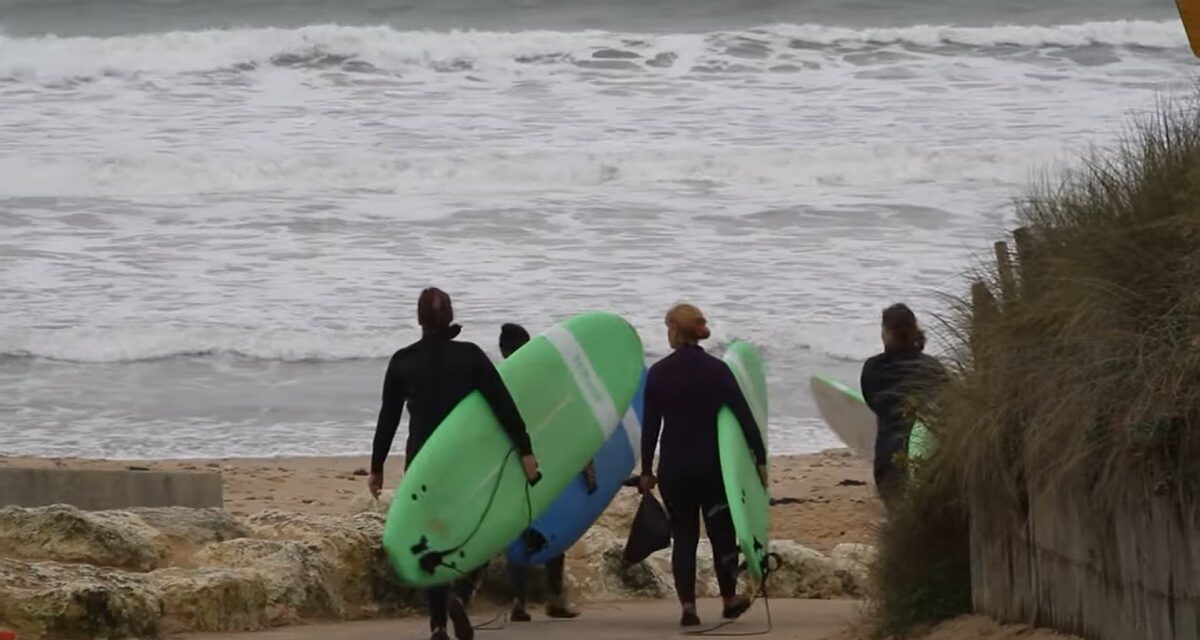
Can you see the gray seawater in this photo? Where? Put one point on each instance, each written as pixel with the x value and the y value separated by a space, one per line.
pixel 215 216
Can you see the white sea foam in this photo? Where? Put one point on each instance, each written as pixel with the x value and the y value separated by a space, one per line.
pixel 51 57
pixel 225 230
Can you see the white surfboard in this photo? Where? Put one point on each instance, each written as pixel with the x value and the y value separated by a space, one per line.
pixel 846 414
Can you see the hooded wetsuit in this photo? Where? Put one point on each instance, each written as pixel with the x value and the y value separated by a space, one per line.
pixel 433 375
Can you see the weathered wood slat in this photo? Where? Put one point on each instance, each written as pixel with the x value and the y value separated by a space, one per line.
pixel 1127 572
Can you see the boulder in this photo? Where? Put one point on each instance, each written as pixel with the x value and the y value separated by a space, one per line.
pixel 618 517
pixel 300 578
pixel 804 573
pixel 355 545
pixel 65 534
pixel 211 599
pixel 853 563
pixel 71 601
pixel 364 503
pixel 194 527
pixel 863 554
pixel 596 570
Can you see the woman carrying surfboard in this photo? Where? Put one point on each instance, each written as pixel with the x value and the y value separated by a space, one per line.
pixel 892 383
pixel 684 394
pixel 432 376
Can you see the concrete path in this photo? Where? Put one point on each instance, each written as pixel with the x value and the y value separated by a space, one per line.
pixel 793 620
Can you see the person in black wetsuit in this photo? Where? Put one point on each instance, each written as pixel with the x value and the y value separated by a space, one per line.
pixel 513 337
pixel 433 375
pixel 894 383
pixel 684 393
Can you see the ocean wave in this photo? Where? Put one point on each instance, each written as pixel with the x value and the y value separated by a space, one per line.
pixel 1117 33
pixel 372 49
pixel 684 167
pixel 132 345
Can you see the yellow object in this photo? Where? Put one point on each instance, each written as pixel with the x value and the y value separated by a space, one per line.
pixel 1189 12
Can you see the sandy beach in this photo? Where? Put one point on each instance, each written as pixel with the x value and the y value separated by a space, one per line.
pixel 826 498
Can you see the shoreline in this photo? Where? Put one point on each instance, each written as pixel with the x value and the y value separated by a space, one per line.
pixel 828 498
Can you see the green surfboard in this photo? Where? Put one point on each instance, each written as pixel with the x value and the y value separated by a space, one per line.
pixel 749 502
pixel 465 497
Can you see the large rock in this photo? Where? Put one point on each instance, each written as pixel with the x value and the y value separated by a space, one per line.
pixel 66 534
pixel 853 564
pixel 300 579
pixel 365 503
pixel 618 517
pixel 355 544
pixel 597 570
pixel 863 554
pixel 184 526
pixel 212 599
pixel 67 602
pixel 804 573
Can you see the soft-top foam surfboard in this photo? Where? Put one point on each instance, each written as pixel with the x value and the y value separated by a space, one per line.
pixel 848 416
pixel 574 510
pixel 749 502
pixel 464 497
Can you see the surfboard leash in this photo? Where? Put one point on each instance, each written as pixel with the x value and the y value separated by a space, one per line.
pixel 761 593
pixel 431 560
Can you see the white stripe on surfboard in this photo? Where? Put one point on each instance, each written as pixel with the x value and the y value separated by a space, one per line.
pixel 633 431
pixel 590 385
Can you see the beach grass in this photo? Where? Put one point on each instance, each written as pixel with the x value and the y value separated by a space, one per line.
pixel 1075 359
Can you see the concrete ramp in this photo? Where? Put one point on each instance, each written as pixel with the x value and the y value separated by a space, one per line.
pixel 647 620
pixel 94 489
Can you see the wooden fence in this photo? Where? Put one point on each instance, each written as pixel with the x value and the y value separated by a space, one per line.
pixel 1125 570
pixel 1129 575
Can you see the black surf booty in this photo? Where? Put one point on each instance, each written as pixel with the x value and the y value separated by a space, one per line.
pixel 733 611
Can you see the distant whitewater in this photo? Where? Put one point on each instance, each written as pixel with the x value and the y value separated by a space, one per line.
pixel 214 219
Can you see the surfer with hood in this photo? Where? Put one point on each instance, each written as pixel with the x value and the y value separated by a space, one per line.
pixel 893 384
pixel 432 376
pixel 513 337
pixel 684 393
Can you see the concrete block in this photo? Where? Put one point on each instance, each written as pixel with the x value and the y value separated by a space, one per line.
pixel 95 489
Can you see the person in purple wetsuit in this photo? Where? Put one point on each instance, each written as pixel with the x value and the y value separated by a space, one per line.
pixel 684 393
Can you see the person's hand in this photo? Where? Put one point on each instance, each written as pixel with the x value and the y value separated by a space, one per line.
pixel 375 483
pixel 530 465
pixel 762 476
pixel 647 482
pixel 589 478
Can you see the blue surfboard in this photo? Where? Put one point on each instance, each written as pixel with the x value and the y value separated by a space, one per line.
pixel 574 510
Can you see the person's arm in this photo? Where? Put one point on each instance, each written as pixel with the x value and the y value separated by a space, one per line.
pixel 651 423
pixel 385 427
pixel 491 385
pixel 736 401
pixel 871 385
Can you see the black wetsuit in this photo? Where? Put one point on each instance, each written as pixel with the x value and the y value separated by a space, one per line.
pixel 891 382
pixel 684 393
pixel 433 375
